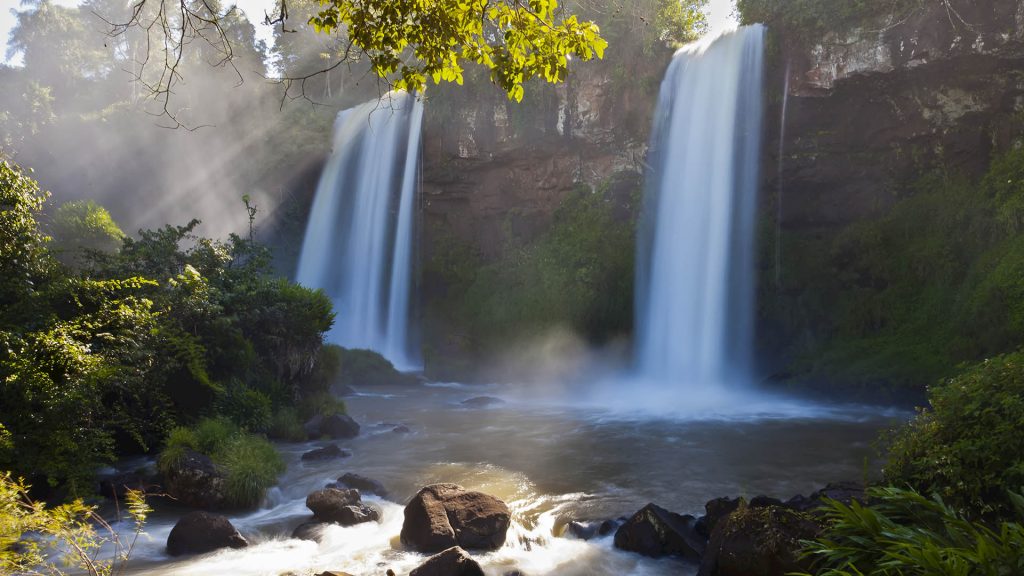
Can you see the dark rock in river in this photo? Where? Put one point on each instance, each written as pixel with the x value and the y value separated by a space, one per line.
pixel 654 531
pixel 201 532
pixel 444 515
pixel 764 502
pixel 329 452
pixel 194 481
pixel 714 511
pixel 344 507
pixel 759 542
pixel 363 484
pixel 334 426
pixel 587 530
pixel 401 429
pixel 845 492
pixel 312 531
pixel 452 562
pixel 482 402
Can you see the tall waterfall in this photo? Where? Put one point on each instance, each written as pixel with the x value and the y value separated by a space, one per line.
pixel 695 271
pixel 359 240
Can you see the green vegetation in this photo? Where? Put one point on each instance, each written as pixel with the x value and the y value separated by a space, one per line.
pixel 81 227
pixel 249 462
pixel 109 356
pixel 578 275
pixel 902 300
pixel 968 447
pixel 516 42
pixel 72 534
pixel 902 533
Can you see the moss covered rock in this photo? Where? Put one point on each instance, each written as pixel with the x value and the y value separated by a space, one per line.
pixel 759 542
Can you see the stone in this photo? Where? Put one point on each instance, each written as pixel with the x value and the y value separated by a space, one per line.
pixel 714 511
pixel 441 516
pixel 845 492
pixel 312 531
pixel 654 531
pixel 344 507
pixel 759 542
pixel 329 452
pixel 452 562
pixel 334 426
pixel 482 402
pixel 194 481
pixel 363 484
pixel 401 429
pixel 201 532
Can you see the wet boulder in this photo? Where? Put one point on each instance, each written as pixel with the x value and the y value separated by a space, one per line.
pixel 361 483
pixel 441 516
pixel 194 481
pixel 845 492
pixel 654 531
pixel 714 511
pixel 759 542
pixel 312 531
pixel 329 452
pixel 452 562
pixel 344 507
pixel 201 532
pixel 334 426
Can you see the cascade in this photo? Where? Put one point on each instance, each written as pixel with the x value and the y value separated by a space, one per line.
pixel 358 245
pixel 695 261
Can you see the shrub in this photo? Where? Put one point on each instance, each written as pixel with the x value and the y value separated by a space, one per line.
pixel 252 465
pixel 968 447
pixel 902 533
pixel 72 534
pixel 250 409
pixel 82 227
pixel 285 425
pixel 324 404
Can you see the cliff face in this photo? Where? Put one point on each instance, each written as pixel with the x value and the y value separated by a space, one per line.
pixel 872 274
pixel 870 108
pixel 494 171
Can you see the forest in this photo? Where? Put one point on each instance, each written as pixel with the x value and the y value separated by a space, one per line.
pixel 503 287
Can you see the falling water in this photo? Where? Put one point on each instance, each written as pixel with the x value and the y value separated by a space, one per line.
pixel 779 197
pixel 695 273
pixel 358 244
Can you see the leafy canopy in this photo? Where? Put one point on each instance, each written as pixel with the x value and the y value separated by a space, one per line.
pixel 421 39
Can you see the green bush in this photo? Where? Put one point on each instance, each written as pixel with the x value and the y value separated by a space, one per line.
pixel 968 447
pixel 324 404
pixel 902 533
pixel 252 465
pixel 84 226
pixel 286 425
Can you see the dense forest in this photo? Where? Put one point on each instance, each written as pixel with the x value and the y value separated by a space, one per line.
pixel 154 334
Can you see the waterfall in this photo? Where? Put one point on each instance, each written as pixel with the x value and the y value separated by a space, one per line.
pixel 358 246
pixel 695 264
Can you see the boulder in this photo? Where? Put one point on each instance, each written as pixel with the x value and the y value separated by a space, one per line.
pixel 344 507
pixel 201 532
pixel 329 452
pixel 654 531
pixel 441 516
pixel 482 402
pixel 196 482
pixel 759 542
pixel 334 573
pixel 715 510
pixel 452 562
pixel 368 368
pixel 363 484
pixel 334 426
pixel 312 531
pixel 587 530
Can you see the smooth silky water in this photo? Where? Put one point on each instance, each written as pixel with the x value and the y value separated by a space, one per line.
pixel 551 463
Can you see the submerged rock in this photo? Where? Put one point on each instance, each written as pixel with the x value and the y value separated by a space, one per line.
pixel 361 483
pixel 401 429
pixel 482 402
pixel 452 562
pixel 196 482
pixel 312 531
pixel 654 531
pixel 344 507
pixel 329 452
pixel 759 542
pixel 201 532
pixel 441 516
pixel 587 530
pixel 334 426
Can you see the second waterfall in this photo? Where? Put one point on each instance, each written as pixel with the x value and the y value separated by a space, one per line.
pixel 358 246
pixel 695 271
